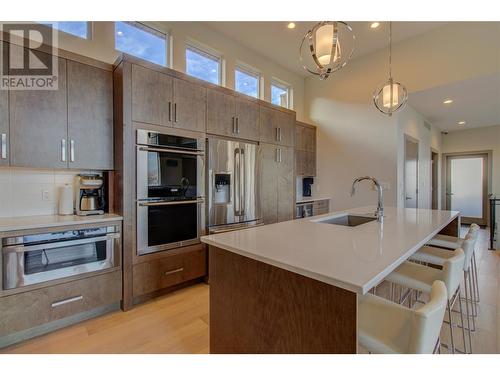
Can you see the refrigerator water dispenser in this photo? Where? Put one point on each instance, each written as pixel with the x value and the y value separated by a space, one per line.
pixel 222 188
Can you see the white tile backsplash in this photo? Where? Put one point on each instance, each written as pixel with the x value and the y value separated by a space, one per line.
pixel 21 190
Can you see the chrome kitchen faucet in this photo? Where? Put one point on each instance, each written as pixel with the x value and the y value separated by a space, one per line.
pixel 379 214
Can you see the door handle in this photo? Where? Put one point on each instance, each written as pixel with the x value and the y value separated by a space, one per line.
pixel 408 198
pixel 63 149
pixel 169 111
pixel 3 146
pixel 450 194
pixel 65 301
pixel 177 270
pixel 237 125
pixel 277 134
pixel 72 150
pixel 175 112
pixel 234 125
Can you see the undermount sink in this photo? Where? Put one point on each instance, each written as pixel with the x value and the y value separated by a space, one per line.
pixel 347 220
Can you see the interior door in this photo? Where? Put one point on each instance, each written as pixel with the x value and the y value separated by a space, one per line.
pixel 467 186
pixel 411 173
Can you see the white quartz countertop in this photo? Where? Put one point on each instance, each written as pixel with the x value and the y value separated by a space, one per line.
pixel 47 221
pixel 352 258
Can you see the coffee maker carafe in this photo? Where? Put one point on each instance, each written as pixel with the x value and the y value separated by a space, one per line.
pixel 90 195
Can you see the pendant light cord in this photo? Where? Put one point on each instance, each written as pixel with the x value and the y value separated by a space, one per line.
pixel 390 49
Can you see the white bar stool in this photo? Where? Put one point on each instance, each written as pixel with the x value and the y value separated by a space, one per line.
pixel 437 256
pixel 451 242
pixel 420 278
pixel 386 327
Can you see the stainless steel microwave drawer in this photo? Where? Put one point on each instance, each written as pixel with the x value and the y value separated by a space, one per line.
pixel 30 309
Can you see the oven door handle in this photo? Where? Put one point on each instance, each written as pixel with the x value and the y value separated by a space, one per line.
pixel 172 151
pixel 55 245
pixel 169 203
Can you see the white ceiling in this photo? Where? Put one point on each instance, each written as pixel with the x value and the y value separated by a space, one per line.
pixel 276 42
pixel 476 101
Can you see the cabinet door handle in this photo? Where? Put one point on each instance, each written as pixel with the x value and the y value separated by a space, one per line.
pixel 277 155
pixel 63 149
pixel 3 146
pixel 277 134
pixel 281 155
pixel 177 270
pixel 175 112
pixel 72 150
pixel 169 111
pixel 65 301
pixel 234 124
pixel 237 125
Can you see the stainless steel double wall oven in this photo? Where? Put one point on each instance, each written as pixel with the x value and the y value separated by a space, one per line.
pixel 170 191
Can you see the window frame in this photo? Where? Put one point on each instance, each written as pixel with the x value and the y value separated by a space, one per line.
pixel 284 86
pixel 151 30
pixel 53 25
pixel 243 68
pixel 208 53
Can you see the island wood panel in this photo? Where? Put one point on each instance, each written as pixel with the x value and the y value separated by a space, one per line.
pixel 453 228
pixel 259 308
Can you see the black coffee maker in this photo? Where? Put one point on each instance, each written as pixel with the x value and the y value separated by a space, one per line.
pixel 306 186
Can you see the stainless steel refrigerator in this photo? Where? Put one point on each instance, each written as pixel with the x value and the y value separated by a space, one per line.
pixel 233 185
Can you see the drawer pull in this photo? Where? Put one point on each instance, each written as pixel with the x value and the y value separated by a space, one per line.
pixel 174 271
pixel 68 300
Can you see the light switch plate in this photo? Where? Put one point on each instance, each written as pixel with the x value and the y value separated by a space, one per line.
pixel 45 195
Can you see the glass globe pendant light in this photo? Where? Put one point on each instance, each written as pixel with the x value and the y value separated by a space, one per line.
pixel 330 46
pixel 391 96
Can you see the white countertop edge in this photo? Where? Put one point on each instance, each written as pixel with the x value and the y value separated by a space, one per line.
pixel 299 271
pixel 69 220
pixel 390 268
pixel 363 289
pixel 305 200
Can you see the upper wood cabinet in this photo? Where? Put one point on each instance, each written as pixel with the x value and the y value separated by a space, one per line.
pixel 277 192
pixel 232 116
pixel 189 105
pixel 277 127
pixel 90 117
pixel 4 127
pixel 39 125
pixel 71 127
pixel 151 96
pixel 160 99
pixel 305 149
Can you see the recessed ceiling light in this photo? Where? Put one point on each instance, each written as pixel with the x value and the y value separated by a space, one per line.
pixel 447 101
pixel 461 123
pixel 291 25
pixel 374 25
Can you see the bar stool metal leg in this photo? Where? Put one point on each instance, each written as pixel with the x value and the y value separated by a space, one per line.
pixel 452 343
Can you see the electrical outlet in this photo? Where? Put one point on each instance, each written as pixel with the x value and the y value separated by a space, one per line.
pixel 45 195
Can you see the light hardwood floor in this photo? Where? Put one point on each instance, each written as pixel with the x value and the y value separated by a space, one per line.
pixel 178 322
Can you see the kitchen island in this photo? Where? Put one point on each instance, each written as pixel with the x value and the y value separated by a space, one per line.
pixel 292 287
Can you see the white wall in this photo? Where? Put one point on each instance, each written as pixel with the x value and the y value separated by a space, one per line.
pixel 411 123
pixel 21 190
pixel 477 139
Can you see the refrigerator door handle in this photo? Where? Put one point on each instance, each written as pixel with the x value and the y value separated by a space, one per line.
pixel 242 181
pixel 237 185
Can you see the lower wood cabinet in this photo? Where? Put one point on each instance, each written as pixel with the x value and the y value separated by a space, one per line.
pixel 26 310
pixel 169 271
pixel 277 191
pixel 321 207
